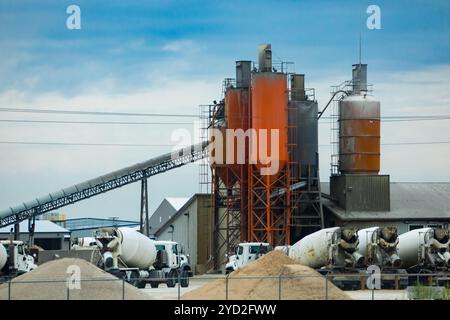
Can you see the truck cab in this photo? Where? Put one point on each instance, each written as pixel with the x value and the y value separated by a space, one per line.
pixel 177 259
pixel 170 250
pixel 246 253
pixel 18 261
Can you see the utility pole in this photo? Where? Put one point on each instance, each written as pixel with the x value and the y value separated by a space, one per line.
pixel 144 227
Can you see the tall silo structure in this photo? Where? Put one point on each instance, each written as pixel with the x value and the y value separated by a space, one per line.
pixel 269 192
pixel 230 176
pixel 357 186
pixel 307 215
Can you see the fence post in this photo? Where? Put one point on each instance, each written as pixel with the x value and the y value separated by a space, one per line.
pixel 226 286
pixel 179 287
pixel 326 286
pixel 68 292
pixel 9 289
pixel 123 288
pixel 279 287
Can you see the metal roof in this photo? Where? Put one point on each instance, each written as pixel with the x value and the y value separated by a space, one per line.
pixel 179 212
pixel 409 201
pixel 177 203
pixel 41 226
pixel 96 223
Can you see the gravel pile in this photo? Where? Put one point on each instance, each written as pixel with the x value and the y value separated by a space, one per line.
pixel 271 266
pixel 103 286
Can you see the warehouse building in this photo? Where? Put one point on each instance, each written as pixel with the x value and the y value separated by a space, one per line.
pixel 86 227
pixel 165 211
pixel 190 226
pixel 411 206
pixel 47 235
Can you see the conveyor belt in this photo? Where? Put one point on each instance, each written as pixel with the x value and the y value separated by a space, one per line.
pixel 103 184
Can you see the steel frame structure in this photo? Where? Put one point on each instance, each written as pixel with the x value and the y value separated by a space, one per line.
pixel 229 213
pixel 161 164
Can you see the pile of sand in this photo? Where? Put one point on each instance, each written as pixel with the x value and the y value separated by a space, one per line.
pixel 32 285
pixel 272 264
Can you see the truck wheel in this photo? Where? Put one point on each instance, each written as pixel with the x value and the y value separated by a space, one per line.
pixel 172 279
pixel 184 281
pixel 154 285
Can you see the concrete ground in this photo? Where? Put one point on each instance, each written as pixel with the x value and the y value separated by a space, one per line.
pixel 378 294
pixel 165 293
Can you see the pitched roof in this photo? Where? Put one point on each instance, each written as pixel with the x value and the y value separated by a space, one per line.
pixel 180 211
pixel 41 226
pixel 409 201
pixel 177 203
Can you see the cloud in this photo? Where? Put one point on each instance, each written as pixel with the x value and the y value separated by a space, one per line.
pixel 185 45
pixel 45 169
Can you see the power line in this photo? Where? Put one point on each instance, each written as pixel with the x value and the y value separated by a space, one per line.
pixel 92 122
pixel 172 145
pixel 108 113
pixel 176 123
pixel 398 118
pixel 96 113
pixel 403 143
pixel 85 144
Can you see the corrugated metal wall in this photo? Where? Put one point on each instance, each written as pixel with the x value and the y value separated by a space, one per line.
pixel 358 192
pixel 192 231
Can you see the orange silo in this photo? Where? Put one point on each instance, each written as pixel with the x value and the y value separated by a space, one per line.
pixel 236 105
pixel 269 111
pixel 359 134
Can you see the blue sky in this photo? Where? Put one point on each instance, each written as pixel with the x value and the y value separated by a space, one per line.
pixel 171 56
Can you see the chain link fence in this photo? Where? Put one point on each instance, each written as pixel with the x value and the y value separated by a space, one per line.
pixel 280 287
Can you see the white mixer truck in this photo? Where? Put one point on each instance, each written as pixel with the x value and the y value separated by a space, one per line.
pixel 425 249
pixel 330 248
pixel 246 252
pixel 14 260
pixel 132 256
pixel 378 246
pixel 333 252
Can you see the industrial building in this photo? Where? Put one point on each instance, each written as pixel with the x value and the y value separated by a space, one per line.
pixel 190 226
pixel 266 191
pixel 47 235
pixel 86 227
pixel 165 211
pixel 412 205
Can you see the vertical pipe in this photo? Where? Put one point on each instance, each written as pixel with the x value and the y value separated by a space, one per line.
pixel 123 288
pixel 179 288
pixel 226 286
pixel 279 287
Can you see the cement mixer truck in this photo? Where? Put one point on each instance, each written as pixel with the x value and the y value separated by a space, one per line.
pixel 14 259
pixel 333 252
pixel 425 249
pixel 378 246
pixel 139 260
